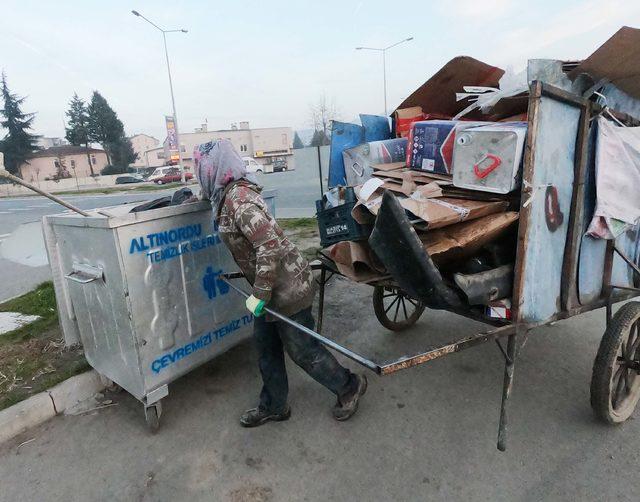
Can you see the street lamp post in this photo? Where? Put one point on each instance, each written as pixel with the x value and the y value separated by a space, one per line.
pixel 384 64
pixel 173 101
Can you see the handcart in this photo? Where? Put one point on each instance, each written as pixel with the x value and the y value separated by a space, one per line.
pixel 559 272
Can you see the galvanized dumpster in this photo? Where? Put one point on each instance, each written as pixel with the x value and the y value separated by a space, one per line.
pixel 142 293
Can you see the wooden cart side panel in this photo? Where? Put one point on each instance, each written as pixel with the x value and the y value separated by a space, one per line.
pixel 545 206
pixel 569 286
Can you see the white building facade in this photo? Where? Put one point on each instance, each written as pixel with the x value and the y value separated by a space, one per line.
pixel 263 144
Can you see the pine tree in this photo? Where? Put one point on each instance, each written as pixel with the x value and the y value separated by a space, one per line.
pixel 320 139
pixel 105 127
pixel 297 142
pixel 122 153
pixel 18 144
pixel 77 131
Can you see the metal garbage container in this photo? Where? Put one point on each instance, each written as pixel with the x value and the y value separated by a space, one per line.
pixel 142 293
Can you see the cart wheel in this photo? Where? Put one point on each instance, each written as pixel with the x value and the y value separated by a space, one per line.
pixel 152 416
pixel 395 309
pixel 615 384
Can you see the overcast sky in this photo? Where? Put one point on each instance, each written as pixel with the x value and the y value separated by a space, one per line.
pixel 267 61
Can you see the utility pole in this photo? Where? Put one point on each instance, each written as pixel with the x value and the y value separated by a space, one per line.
pixel 384 65
pixel 173 101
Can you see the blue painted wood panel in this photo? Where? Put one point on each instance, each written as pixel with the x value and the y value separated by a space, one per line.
pixel 343 136
pixel 551 182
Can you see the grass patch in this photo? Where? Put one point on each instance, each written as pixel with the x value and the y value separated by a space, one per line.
pixel 41 302
pixel 33 358
pixel 298 223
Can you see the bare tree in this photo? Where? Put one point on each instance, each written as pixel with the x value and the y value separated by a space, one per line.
pixel 322 113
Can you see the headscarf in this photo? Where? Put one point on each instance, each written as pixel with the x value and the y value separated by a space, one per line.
pixel 217 164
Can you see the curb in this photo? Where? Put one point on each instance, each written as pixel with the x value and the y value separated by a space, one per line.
pixel 45 405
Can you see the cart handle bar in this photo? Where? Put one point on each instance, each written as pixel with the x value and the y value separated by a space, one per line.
pixel 325 341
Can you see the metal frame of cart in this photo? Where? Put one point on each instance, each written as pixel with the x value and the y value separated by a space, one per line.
pixel 615 386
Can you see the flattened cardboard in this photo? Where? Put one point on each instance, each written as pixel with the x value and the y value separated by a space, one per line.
pixel 465 239
pixel 445 211
pixel 356 261
pixel 617 60
pixel 438 94
pixel 390 166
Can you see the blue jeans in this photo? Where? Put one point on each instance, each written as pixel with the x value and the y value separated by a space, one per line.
pixel 273 338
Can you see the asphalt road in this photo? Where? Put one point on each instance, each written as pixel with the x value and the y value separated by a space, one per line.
pixel 426 433
pixel 297 191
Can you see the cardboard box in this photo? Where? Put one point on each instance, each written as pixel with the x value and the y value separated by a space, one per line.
pixel 431 144
pixel 443 211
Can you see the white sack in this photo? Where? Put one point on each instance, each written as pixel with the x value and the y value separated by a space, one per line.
pixel 617 175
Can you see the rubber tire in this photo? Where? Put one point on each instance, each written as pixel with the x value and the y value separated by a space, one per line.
pixel 159 182
pixel 381 315
pixel 603 367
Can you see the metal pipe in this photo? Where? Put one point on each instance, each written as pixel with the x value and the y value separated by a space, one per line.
pixel 326 341
pixel 323 281
pixel 320 173
pixel 506 391
pixel 6 174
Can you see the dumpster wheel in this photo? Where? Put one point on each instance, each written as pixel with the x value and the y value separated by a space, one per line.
pixel 152 414
pixel 615 384
pixel 395 309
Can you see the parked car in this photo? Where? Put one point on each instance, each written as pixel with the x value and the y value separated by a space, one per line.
pixel 169 174
pixel 173 177
pixel 160 172
pixel 129 178
pixel 279 165
pixel 253 166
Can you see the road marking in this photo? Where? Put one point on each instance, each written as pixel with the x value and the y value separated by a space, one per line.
pixel 19 209
pixel 2 236
pixel 5 212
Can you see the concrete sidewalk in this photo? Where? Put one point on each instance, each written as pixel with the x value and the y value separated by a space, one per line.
pixel 427 433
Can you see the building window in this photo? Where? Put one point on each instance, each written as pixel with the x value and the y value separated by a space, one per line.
pixel 243 148
pixel 56 164
pixel 284 139
pixel 73 164
pixel 182 148
pixel 93 160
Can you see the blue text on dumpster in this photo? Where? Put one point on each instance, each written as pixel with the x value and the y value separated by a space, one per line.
pixel 161 246
pixel 190 348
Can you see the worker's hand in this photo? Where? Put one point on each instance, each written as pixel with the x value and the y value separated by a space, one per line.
pixel 255 306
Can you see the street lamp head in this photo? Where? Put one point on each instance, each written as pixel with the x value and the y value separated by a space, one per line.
pixel 184 31
pixel 135 13
pixel 409 39
pixel 359 48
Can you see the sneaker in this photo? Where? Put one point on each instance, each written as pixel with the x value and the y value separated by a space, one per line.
pixel 258 416
pixel 347 406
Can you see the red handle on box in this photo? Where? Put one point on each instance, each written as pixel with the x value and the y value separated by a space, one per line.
pixel 483 173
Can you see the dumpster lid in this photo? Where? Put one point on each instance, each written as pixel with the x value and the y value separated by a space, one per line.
pixel 118 216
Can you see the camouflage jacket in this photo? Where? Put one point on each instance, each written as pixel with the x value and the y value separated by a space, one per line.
pixel 280 275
